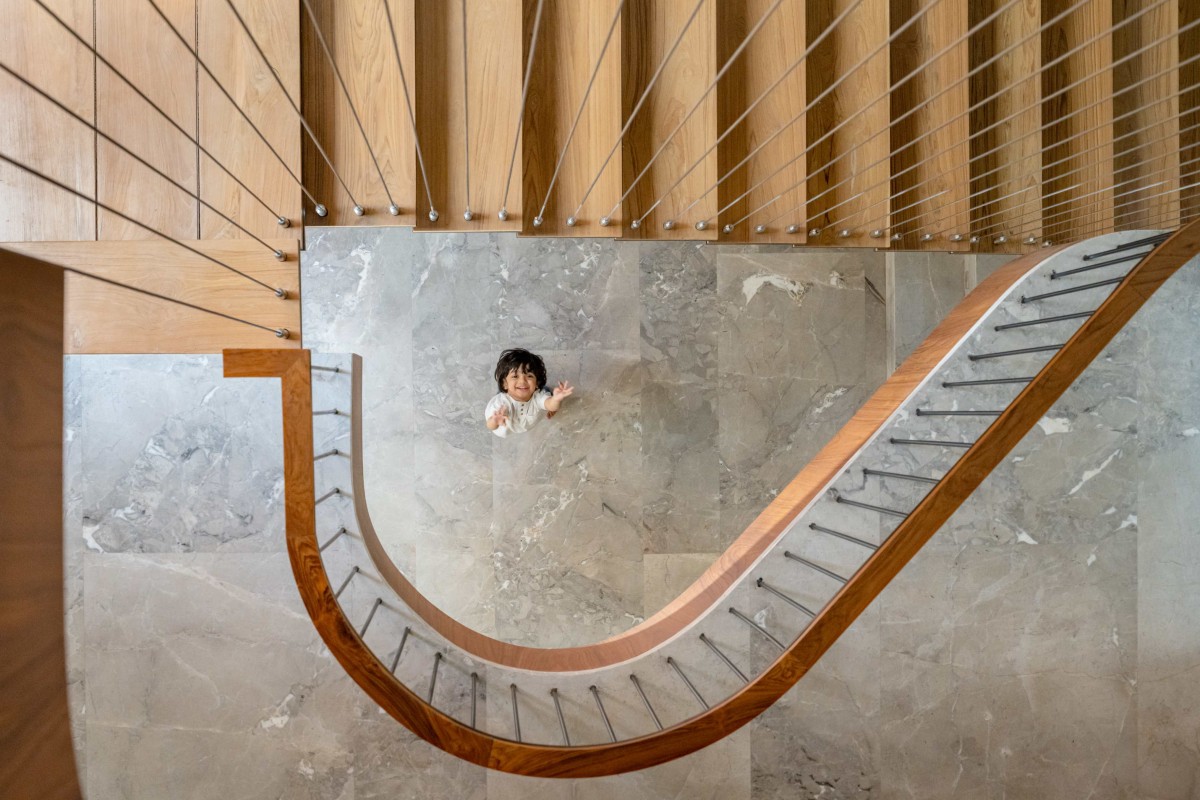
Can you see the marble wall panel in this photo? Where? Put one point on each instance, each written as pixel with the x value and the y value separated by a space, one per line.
pixel 927 286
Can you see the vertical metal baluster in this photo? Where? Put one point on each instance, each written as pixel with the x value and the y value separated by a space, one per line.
pixel 335 537
pixel 467 215
pixel 516 715
pixel 345 583
pixel 562 722
pixel 679 672
pixel 412 117
pixel 474 695
pixel 400 649
pixel 638 685
pixel 371 616
pixel 437 662
pixel 393 209
pixel 724 658
pixel 603 714
pixel 763 631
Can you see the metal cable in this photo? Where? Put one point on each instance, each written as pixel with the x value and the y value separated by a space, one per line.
pixel 966 113
pixel 358 209
pixel 393 209
pixel 912 74
pixel 121 76
pixel 537 25
pixel 283 221
pixel 466 115
pixel 993 59
pixel 278 292
pixel 412 118
pixel 824 93
pixel 1041 212
pixel 606 221
pixel 1070 156
pixel 537 221
pixel 281 333
pixel 279 254
pixel 716 79
pixel 1052 95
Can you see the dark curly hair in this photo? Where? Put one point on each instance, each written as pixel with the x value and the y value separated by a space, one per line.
pixel 523 361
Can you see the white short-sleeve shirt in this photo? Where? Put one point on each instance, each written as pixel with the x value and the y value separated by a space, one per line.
pixel 521 416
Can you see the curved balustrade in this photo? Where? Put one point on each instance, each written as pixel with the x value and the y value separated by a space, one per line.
pixel 772 605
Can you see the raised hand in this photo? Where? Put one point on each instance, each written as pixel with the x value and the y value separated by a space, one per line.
pixel 563 390
pixel 498 419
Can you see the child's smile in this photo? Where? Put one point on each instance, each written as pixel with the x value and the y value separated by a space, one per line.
pixel 520 386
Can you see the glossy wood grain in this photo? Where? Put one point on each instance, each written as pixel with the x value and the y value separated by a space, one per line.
pixel 36 758
pixel 102 318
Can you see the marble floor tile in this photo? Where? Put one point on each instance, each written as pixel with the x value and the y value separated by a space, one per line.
pixel 568 569
pixel 792 314
pixel 567 294
pixel 681 484
pixel 178 458
pixel 667 575
pixel 680 313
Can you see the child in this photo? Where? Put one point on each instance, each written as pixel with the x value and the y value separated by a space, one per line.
pixel 521 378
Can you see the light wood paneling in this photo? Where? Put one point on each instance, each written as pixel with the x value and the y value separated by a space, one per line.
pixel 36 759
pixel 650 29
pixel 495 67
pixel 860 202
pixel 107 319
pixel 931 171
pixel 142 48
pixel 1005 156
pixel 571 39
pixel 1189 112
pixel 1146 117
pixel 227 51
pixel 1077 173
pixel 361 42
pixel 773 51
pixel 33 132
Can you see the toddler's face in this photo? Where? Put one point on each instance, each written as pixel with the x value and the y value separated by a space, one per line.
pixel 520 385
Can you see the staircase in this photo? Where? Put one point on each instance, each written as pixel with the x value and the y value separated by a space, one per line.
pixel 811 563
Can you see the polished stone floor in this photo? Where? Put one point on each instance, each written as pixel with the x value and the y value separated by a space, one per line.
pixel 1043 645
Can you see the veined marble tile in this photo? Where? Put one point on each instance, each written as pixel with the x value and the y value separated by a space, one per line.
pixel 780 423
pixel 1168 552
pixel 681 484
pixel 928 286
pixel 680 313
pixel 133 764
pixel 567 294
pixel 669 574
pixel 794 314
pixel 568 564
pixel 178 458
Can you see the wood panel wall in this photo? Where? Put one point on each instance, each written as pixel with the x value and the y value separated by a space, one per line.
pixel 1047 123
pixel 134 75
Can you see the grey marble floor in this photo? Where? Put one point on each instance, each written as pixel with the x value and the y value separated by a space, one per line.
pixel 706 377
pixel 1044 645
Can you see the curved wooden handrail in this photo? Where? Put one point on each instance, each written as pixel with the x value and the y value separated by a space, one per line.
pixel 725 570
pixel 760 693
